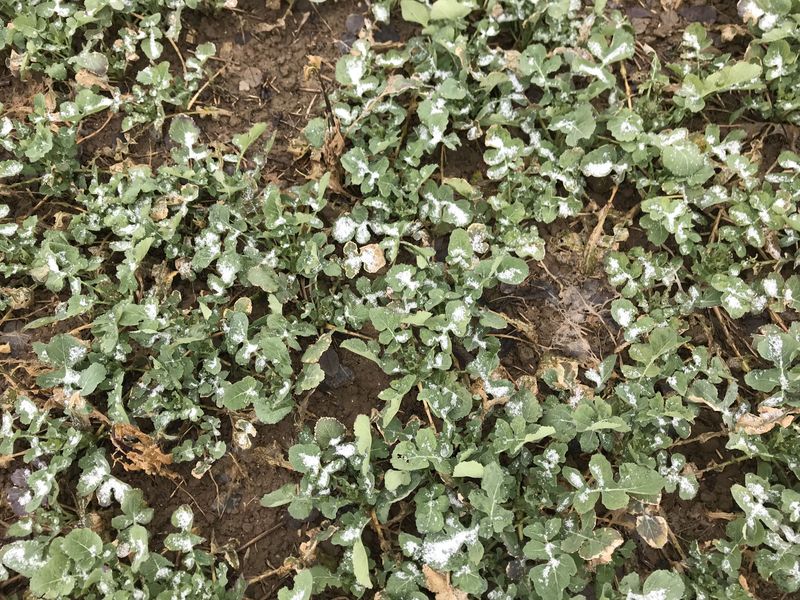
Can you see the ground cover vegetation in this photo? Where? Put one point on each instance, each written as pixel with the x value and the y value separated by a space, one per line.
pixel 189 304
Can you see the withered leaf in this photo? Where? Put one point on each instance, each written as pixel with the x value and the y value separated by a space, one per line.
pixel 653 529
pixel 439 584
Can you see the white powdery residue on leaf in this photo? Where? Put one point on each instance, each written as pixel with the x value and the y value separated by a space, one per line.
pixel 593 376
pixel 775 347
pixel 625 126
pixel 668 139
pixel 458 316
pixel 659 594
pixel 600 169
pixel 325 474
pixel 27 409
pixel 459 218
pixel 181 543
pixel 509 274
pixel 343 114
pixel 438 554
pixel 42 486
pixel 625 317
pixel 343 229
pixel 94 476
pixel 247 352
pixel 575 479
pixel 351 534
pixel 76 353
pixel 405 277
pixel 514 408
pixel 183 518
pixel 18 559
pixel 345 450
pixel 687 486
pixel 550 566
pixel 112 486
pixel 564 209
pixel 227 272
pixel 381 13
pixel 310 461
pixel 138 595
pixel 497 389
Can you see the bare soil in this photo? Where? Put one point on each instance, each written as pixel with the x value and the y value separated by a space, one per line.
pixel 259 74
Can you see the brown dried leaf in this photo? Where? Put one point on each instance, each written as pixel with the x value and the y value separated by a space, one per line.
pixel 18 341
pixel 372 258
pixel 95 522
pixel 312 67
pixel 87 79
pixel 50 104
pixel 163 277
pixel 764 422
pixel 75 403
pixel 298 147
pixel 139 451
pixel 558 372
pixel 5 348
pixel 699 13
pixel 269 27
pixel 528 382
pixel 745 585
pixel 477 388
pixel 334 146
pixel 15 62
pixel 668 23
pixel 729 32
pixel 772 246
pixel 273 455
pixel 60 220
pixel 439 584
pixel 18 298
pixel 160 211
pixel 653 529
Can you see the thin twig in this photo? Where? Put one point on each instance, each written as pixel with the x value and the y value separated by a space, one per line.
pixel 282 570
pixel 597 232
pixel 723 465
pixel 79 141
pixel 427 409
pixel 628 94
pixel 178 52
pixel 204 86
pixel 333 327
pixel 260 536
pixel 700 439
